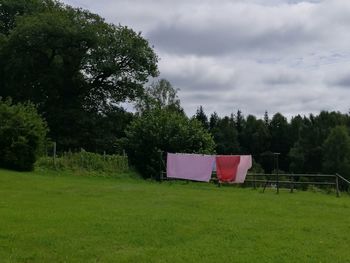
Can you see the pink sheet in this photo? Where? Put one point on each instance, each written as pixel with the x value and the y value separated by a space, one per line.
pixel 244 165
pixel 196 167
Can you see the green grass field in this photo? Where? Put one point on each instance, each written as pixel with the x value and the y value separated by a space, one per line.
pixel 64 218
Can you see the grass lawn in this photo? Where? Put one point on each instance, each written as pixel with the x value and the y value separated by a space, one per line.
pixel 63 218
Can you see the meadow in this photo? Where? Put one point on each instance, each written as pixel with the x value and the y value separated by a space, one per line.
pixel 60 217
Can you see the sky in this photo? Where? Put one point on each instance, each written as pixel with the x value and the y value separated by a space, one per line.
pixel 286 56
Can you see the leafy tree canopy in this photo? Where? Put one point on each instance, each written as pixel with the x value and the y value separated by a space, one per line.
pixel 168 131
pixel 159 95
pixel 69 61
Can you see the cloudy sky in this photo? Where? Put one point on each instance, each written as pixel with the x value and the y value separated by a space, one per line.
pixel 285 56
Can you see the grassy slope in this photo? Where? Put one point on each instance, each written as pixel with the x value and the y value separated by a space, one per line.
pixel 48 218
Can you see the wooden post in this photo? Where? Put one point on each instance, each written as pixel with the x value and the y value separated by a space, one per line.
pixel 292 184
pixel 337 185
pixel 54 154
pixel 254 178
pixel 160 165
pixel 104 155
pixel 82 161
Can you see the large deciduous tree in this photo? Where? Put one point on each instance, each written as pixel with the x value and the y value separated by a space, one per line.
pixel 159 95
pixel 69 62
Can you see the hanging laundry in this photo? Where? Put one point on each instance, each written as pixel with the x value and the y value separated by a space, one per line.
pixel 196 167
pixel 226 167
pixel 244 165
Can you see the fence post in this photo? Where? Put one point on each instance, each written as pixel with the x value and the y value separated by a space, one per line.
pixel 54 154
pixel 337 184
pixel 276 155
pixel 292 184
pixel 254 178
pixel 160 165
pixel 82 158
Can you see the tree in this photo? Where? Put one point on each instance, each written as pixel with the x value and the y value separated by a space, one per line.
pixel 202 117
pixel 308 135
pixel 161 130
pixel 22 135
pixel 266 119
pixel 104 131
pixel 10 10
pixel 159 95
pixel 336 152
pixel 255 138
pixel 297 159
pixel 239 121
pixel 69 62
pixel 280 140
pixel 213 121
pixel 296 125
pixel 225 136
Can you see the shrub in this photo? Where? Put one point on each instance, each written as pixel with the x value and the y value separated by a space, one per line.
pixel 22 135
pixel 167 131
pixel 86 161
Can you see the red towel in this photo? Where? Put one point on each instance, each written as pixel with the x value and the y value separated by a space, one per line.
pixel 226 167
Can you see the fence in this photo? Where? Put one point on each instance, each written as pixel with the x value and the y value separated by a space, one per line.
pixel 84 161
pixel 292 180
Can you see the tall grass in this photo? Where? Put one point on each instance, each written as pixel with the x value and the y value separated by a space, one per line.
pixel 86 161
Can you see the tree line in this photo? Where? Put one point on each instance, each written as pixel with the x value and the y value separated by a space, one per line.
pixel 307 144
pixel 77 69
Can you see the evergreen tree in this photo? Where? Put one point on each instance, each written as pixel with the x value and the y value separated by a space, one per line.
pixel 280 140
pixel 266 119
pixel 336 152
pixel 225 136
pixel 202 117
pixel 214 120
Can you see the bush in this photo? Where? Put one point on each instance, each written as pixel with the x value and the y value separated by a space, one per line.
pixel 86 161
pixel 22 135
pixel 167 131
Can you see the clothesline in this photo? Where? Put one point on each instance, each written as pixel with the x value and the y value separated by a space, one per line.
pixel 199 167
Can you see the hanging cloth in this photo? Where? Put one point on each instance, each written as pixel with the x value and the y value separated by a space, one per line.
pixel 226 167
pixel 244 165
pixel 196 167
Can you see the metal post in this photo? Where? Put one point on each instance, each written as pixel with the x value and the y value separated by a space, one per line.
pixel 292 184
pixel 267 181
pixel 277 172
